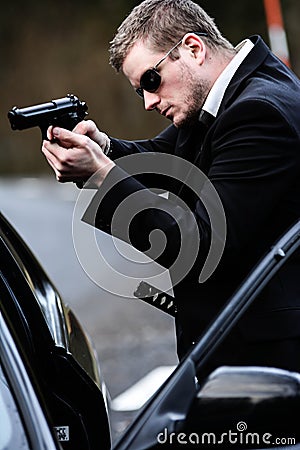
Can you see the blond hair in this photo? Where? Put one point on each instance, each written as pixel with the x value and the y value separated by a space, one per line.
pixel 162 23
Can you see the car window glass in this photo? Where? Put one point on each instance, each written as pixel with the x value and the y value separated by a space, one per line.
pixel 12 433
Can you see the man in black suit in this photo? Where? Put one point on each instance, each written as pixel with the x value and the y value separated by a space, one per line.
pixel 235 114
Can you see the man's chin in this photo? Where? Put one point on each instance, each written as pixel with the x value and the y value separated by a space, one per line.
pixel 179 120
pixel 187 120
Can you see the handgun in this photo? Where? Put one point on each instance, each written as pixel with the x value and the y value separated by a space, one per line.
pixel 64 112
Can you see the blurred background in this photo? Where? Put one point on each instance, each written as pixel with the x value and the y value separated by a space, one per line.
pixel 51 48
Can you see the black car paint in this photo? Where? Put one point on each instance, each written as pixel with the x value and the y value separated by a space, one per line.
pixel 50 342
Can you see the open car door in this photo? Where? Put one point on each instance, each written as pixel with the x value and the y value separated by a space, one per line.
pixel 256 402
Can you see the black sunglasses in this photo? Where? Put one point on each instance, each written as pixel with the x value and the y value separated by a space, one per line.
pixel 151 79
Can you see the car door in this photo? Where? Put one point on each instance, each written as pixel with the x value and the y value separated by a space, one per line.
pixel 188 412
pixel 57 355
pixel 23 424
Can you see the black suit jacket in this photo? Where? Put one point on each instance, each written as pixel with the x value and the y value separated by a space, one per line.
pixel 251 154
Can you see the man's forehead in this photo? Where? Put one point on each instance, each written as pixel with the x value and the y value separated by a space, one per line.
pixel 140 57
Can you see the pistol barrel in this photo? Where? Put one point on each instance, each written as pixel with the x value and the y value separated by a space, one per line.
pixel 61 111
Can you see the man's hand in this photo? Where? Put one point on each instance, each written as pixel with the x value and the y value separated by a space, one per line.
pixel 77 155
pixel 89 128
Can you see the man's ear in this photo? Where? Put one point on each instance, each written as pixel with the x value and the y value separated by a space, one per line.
pixel 195 45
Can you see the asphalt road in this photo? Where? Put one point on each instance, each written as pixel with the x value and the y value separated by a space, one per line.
pixel 130 337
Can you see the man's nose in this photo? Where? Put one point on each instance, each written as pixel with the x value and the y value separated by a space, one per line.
pixel 151 100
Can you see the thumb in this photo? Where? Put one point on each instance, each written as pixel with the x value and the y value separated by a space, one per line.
pixel 87 127
pixel 82 127
pixel 90 129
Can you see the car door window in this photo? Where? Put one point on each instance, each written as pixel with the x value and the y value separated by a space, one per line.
pixel 12 433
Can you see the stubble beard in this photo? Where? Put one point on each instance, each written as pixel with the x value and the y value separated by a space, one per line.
pixel 195 98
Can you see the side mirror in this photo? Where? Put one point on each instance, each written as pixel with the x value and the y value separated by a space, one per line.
pixel 250 406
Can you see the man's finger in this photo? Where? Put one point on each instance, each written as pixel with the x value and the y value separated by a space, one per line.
pixel 69 139
pixel 50 133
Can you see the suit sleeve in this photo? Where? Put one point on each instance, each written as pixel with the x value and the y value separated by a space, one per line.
pixel 129 207
pixel 164 142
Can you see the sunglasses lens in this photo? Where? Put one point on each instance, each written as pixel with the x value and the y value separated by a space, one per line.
pixel 150 80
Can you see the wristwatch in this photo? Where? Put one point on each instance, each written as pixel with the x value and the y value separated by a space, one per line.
pixel 108 147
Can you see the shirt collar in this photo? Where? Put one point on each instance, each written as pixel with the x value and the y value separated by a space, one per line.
pixel 217 92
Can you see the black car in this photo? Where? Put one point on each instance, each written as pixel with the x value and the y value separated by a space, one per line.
pixel 50 386
pixel 52 396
